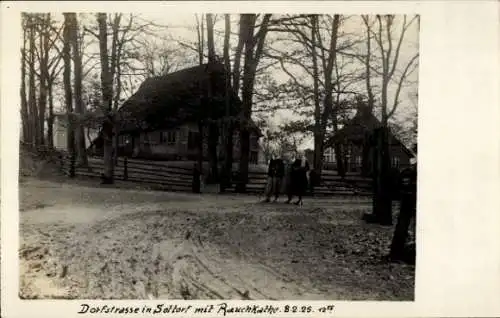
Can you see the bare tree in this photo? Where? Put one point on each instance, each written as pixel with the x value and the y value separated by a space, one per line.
pixel 328 62
pixel 229 123
pixel 43 26
pixel 81 153
pixel 253 40
pixel 383 35
pixel 68 92
pixel 318 139
pixel 213 124
pixel 43 65
pixel 53 74
pixel 107 100
pixel 32 102
pixel 160 58
pixel 316 42
pixel 53 69
pixel 24 100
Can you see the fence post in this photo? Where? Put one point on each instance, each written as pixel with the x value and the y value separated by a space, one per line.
pixel 72 168
pixel 196 181
pixel 125 169
pixel 61 162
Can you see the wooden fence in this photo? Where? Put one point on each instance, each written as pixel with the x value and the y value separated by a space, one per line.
pixel 153 173
pixel 167 176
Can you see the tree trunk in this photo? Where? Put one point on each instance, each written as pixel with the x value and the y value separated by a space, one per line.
pixel 34 131
pixel 385 214
pixel 247 92
pixel 24 102
pixel 337 146
pixel 401 231
pixel 107 98
pixel 253 49
pixel 107 132
pixel 213 140
pixel 201 140
pixel 77 80
pixel 366 155
pixel 237 56
pixel 228 159
pixel 382 199
pixel 248 24
pixel 339 159
pixel 50 118
pixel 382 205
pixel 116 145
pixel 42 97
pixel 328 73
pixel 213 130
pixel 244 135
pixel 407 213
pixel 68 93
pixel 318 138
pixel 44 77
pixel 115 70
pixel 226 173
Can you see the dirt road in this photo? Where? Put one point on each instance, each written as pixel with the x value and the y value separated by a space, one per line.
pixel 88 242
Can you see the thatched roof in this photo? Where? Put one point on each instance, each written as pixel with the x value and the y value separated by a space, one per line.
pixel 172 99
pixel 356 129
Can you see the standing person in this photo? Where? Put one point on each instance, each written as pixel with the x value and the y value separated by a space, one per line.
pixel 271 173
pixel 287 177
pixel 303 184
pixel 278 177
pixel 294 185
pixel 298 180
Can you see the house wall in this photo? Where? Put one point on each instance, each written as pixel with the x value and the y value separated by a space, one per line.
pixel 60 134
pixel 150 144
pixel 399 158
pixel 254 147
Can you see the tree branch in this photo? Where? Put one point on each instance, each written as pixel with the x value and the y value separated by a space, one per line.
pixel 398 48
pixel 400 84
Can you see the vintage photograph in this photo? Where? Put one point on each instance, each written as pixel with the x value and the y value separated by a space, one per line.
pixel 218 156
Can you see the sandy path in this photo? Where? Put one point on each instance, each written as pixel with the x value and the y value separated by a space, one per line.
pixel 79 242
pixel 138 255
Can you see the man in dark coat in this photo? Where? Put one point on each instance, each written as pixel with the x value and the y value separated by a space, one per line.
pixel 275 174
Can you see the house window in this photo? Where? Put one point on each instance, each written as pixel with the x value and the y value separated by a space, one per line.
pixel 151 138
pixel 193 139
pixel 328 158
pixel 121 140
pixel 254 157
pixel 329 155
pixel 254 142
pixel 168 137
pixel 358 161
pixel 395 161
